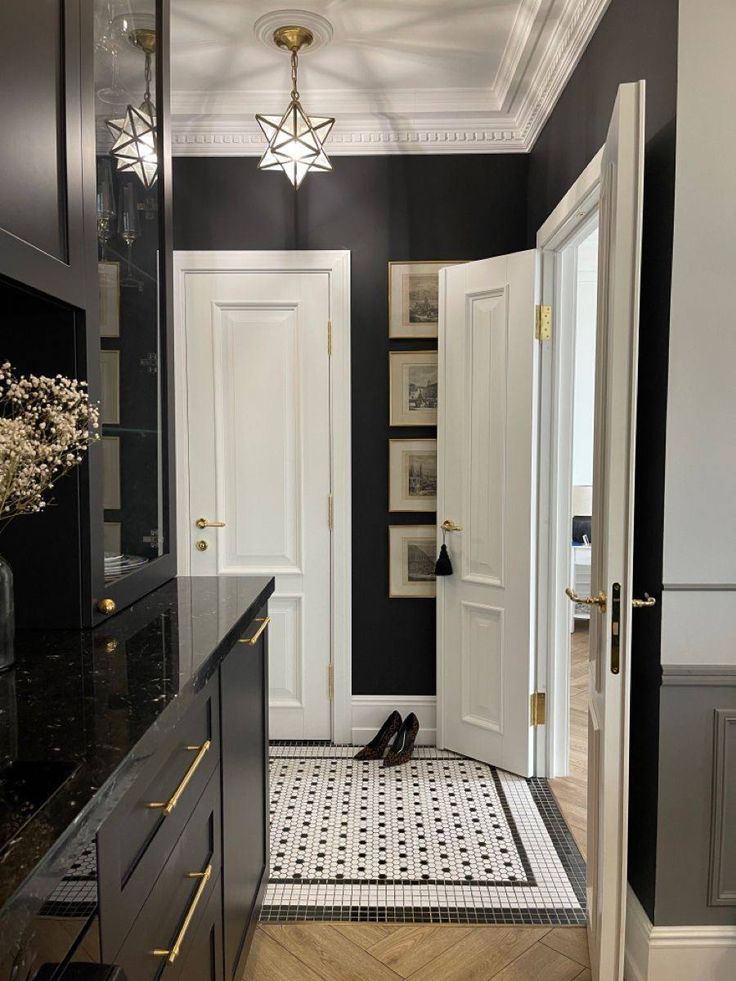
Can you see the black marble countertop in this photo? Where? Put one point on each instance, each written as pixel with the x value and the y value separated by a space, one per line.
pixel 88 707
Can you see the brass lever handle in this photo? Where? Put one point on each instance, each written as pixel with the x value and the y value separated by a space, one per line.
pixel 264 622
pixel 206 523
pixel 600 600
pixel 172 953
pixel 647 601
pixel 168 806
pixel 449 525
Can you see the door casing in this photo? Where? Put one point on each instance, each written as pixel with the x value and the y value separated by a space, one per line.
pixel 336 264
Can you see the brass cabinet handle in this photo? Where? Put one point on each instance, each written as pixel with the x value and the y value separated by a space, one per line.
pixel 206 523
pixel 449 525
pixel 168 806
pixel 600 600
pixel 172 953
pixel 647 601
pixel 264 622
pixel 107 606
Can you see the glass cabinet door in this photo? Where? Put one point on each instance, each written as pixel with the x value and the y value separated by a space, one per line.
pixel 132 275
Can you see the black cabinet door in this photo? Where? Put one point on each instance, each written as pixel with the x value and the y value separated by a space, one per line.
pixel 244 739
pixel 47 149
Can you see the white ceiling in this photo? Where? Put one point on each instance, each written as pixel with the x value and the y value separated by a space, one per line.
pixel 399 75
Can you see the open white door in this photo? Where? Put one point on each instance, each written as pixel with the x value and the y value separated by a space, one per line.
pixel 487 447
pixel 622 178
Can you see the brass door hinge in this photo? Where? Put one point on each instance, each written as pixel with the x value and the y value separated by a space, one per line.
pixel 329 338
pixel 330 682
pixel 330 512
pixel 538 708
pixel 543 322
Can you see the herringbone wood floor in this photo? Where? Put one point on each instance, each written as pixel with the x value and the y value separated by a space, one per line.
pixel 384 952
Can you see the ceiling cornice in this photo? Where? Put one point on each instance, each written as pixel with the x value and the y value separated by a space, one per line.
pixel 548 38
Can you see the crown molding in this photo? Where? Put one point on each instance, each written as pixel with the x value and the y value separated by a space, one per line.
pixel 546 43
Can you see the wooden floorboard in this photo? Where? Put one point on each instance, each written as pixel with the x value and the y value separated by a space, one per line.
pixel 379 952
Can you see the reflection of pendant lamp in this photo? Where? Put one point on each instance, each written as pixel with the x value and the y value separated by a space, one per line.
pixel 135 134
pixel 295 139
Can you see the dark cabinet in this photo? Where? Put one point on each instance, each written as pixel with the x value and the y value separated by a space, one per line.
pixel 85 291
pixel 46 119
pixel 244 714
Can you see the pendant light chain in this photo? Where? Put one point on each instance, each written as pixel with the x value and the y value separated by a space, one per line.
pixel 294 69
pixel 147 76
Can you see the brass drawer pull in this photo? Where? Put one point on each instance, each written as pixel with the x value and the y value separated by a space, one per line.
pixel 168 806
pixel 264 622
pixel 173 953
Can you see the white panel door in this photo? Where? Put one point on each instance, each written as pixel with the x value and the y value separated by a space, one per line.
pixel 487 451
pixel 622 181
pixel 258 409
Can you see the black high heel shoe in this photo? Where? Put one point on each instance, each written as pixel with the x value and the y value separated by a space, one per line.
pixel 403 745
pixel 377 746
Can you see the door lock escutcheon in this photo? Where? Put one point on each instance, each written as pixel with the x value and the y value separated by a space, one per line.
pixel 201 545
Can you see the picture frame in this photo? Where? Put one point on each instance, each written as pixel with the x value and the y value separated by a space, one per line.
pixel 412 475
pixel 110 391
pixel 411 558
pixel 110 473
pixel 413 298
pixel 412 388
pixel 108 277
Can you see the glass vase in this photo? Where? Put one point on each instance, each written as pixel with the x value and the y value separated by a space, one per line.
pixel 7 616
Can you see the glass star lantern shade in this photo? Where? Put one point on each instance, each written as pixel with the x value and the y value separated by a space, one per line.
pixel 134 146
pixel 295 142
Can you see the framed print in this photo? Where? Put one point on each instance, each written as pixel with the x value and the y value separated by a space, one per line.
pixel 412 475
pixel 108 275
pixel 411 558
pixel 413 388
pixel 110 472
pixel 110 401
pixel 413 298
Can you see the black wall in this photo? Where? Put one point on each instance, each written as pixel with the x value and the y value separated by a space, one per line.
pixel 382 209
pixel 634 40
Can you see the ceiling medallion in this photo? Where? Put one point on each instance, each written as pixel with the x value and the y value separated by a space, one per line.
pixel 295 140
pixel 134 135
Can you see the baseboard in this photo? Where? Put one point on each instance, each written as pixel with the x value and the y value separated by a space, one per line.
pixel 370 711
pixel 676 953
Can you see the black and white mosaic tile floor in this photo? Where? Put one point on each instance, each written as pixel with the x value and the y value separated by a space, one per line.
pixel 443 839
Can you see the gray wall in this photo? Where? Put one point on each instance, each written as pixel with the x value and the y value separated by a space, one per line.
pixel 696 842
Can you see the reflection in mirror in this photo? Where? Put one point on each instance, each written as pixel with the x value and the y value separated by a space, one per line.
pixel 130 250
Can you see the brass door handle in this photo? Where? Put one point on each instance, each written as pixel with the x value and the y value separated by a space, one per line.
pixel 206 523
pixel 600 600
pixel 173 952
pixel 168 806
pixel 647 601
pixel 449 525
pixel 264 622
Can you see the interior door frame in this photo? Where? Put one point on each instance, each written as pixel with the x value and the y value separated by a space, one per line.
pixel 336 264
pixel 565 223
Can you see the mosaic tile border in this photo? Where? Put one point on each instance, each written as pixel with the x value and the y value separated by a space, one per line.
pixel 440 902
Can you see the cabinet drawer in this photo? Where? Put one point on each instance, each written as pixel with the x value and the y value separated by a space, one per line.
pixel 168 923
pixel 201 958
pixel 136 840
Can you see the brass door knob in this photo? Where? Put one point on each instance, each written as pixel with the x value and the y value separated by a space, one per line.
pixel 600 600
pixel 107 606
pixel 647 601
pixel 201 545
pixel 449 525
pixel 206 523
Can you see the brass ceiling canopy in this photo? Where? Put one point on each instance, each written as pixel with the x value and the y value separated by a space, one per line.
pixel 145 39
pixel 293 38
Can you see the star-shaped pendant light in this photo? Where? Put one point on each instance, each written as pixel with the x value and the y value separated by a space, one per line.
pixel 134 134
pixel 295 140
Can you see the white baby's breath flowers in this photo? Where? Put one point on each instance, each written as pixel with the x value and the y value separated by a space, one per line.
pixel 46 425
